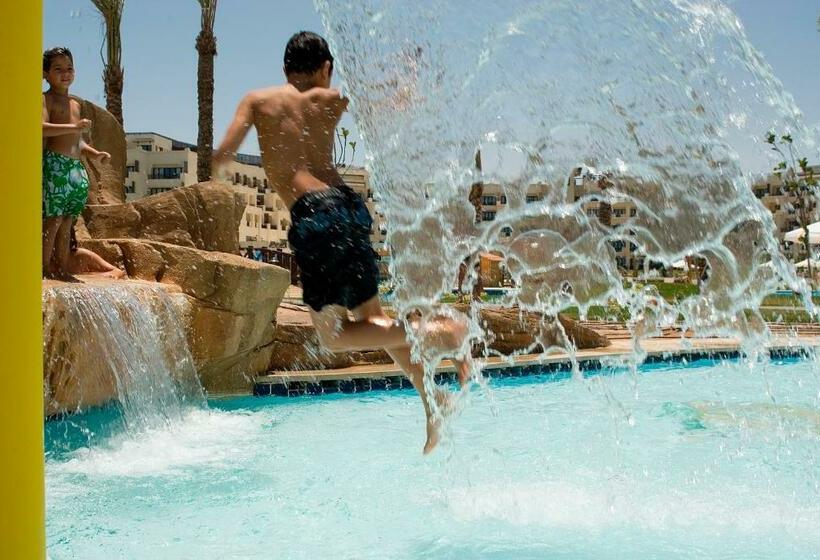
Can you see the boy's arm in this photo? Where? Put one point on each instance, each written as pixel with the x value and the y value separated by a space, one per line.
pixel 53 129
pixel 93 153
pixel 238 129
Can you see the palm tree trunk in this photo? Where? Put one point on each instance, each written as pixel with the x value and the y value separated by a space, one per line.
pixel 113 74
pixel 206 47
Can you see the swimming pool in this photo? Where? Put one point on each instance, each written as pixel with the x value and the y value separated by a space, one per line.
pixel 705 460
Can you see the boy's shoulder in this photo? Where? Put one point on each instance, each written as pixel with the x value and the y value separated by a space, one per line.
pixel 49 97
pixel 327 96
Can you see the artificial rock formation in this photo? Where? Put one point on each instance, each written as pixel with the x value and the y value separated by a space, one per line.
pixel 203 216
pixel 513 330
pixel 107 181
pixel 186 240
pixel 233 301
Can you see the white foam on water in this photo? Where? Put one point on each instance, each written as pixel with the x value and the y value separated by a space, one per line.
pixel 202 438
pixel 570 505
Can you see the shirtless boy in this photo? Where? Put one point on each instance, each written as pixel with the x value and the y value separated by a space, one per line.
pixel 65 182
pixel 330 232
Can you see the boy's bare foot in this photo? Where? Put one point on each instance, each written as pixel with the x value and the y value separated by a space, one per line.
pixel 116 274
pixel 432 435
pixel 446 406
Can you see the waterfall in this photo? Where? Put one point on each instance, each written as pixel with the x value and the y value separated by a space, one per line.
pixel 124 340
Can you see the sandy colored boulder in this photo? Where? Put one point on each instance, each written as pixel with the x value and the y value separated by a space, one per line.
pixel 106 181
pixel 204 216
pixel 512 330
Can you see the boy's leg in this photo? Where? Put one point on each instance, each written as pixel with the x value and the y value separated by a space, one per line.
pixel 83 261
pixel 371 311
pixel 50 228
pixel 371 330
pixel 62 248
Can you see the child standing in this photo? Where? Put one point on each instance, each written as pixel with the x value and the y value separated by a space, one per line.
pixel 65 181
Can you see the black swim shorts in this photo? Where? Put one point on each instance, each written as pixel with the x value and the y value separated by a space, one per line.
pixel 330 238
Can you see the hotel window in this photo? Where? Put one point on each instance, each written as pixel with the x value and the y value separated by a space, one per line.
pixel 236 178
pixel 533 198
pixel 633 212
pixel 166 172
pixel 265 183
pixel 618 246
pixel 146 147
pixel 506 232
pixel 488 200
pixel 503 199
pixel 131 189
pixel 245 180
pixel 619 212
pixel 488 216
pixel 592 212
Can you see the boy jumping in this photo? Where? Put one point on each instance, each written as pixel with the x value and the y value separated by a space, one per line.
pixel 330 232
pixel 65 181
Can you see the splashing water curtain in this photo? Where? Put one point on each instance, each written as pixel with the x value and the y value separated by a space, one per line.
pixel 667 98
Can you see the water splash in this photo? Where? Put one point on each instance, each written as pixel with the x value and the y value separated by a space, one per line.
pixel 126 340
pixel 669 97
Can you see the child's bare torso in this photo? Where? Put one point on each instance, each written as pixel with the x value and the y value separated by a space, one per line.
pixel 296 135
pixel 62 109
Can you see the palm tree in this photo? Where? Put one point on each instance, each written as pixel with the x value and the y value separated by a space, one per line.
pixel 206 47
pixel 113 75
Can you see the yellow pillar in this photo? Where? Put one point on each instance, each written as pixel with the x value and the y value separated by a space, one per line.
pixel 22 518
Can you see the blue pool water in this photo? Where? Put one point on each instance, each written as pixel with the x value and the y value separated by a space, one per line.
pixel 706 460
pixel 790 293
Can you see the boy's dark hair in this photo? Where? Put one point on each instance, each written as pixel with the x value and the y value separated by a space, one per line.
pixel 53 53
pixel 305 53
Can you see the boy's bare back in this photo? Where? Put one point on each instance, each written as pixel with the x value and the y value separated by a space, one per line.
pixel 296 132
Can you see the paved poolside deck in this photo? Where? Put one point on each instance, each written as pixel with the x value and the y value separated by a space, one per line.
pixel 620 352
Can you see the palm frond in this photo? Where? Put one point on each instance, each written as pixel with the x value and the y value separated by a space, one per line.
pixel 208 14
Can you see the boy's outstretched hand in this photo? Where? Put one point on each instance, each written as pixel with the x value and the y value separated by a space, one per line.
pixel 101 157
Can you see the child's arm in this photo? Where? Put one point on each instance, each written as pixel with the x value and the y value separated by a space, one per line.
pixel 52 129
pixel 94 153
pixel 242 122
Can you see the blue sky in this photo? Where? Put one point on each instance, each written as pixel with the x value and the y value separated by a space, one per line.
pixel 160 60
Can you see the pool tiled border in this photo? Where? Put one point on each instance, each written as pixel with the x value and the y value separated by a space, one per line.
pixel 375 378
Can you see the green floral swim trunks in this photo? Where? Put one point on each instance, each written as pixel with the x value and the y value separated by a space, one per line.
pixel 65 185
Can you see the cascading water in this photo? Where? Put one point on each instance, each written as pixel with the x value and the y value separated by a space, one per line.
pixel 667 97
pixel 126 337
